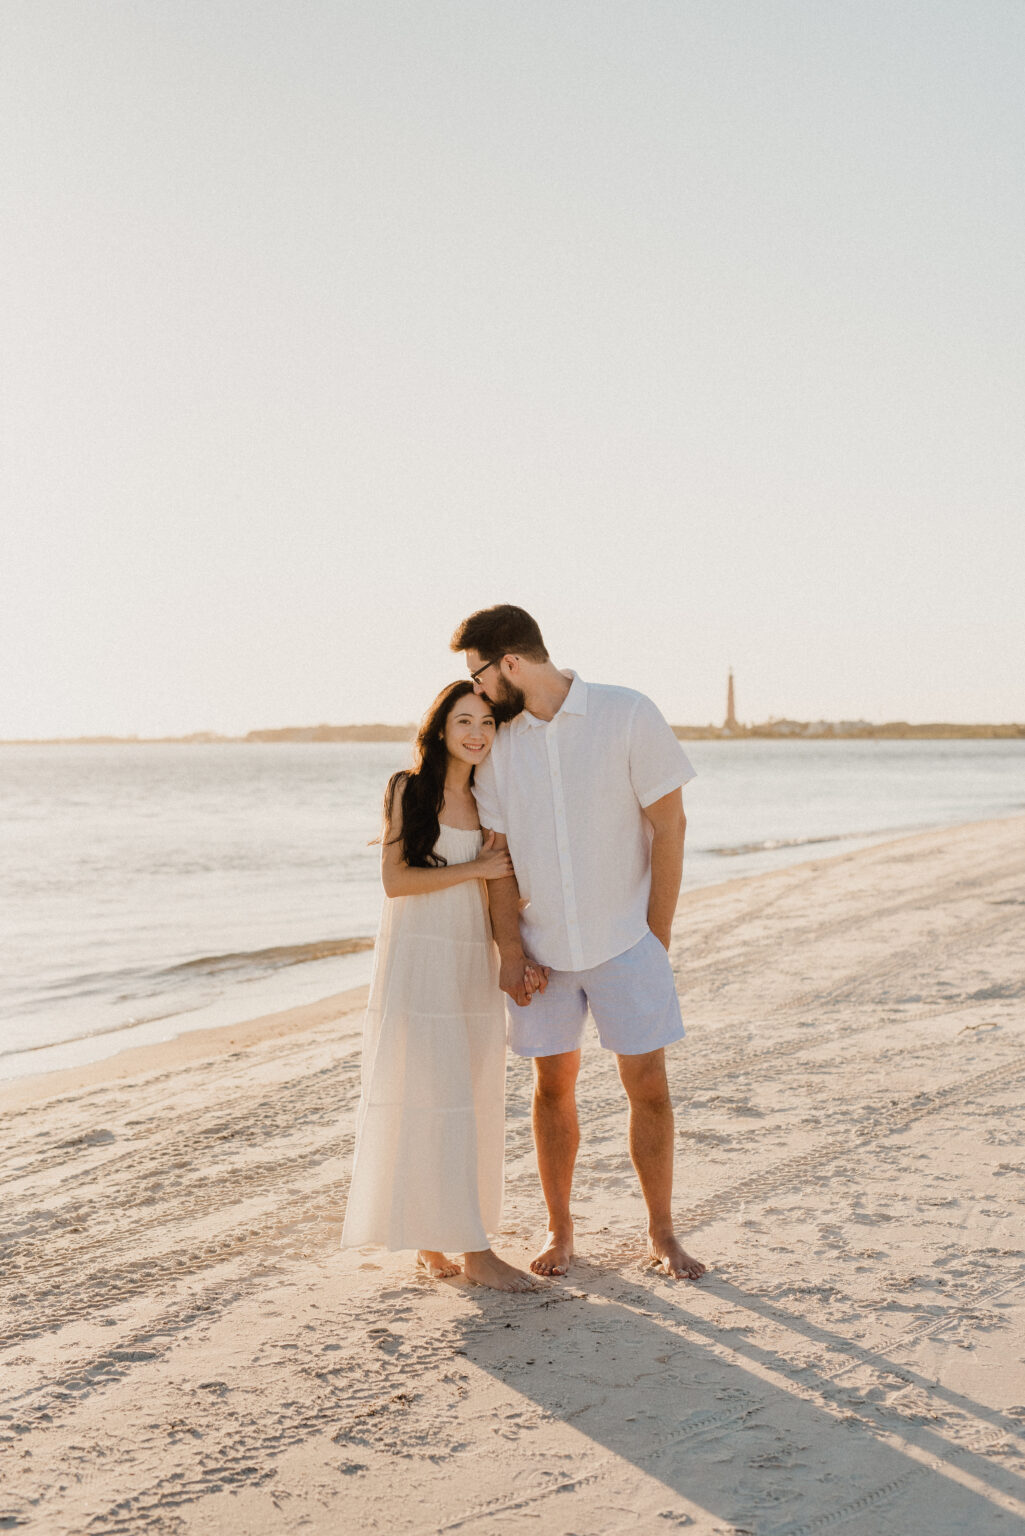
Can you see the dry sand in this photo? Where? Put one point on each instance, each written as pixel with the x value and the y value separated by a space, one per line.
pixel 186 1349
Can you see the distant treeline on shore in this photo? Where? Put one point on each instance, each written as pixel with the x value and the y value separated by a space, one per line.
pixel 783 730
pixel 826 730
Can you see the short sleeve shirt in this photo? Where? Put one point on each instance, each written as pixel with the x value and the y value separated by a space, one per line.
pixel 569 795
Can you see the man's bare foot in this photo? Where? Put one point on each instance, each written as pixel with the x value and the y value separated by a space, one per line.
pixel 486 1268
pixel 436 1264
pixel 555 1255
pixel 674 1260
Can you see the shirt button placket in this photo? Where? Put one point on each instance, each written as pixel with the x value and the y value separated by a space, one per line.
pixel 562 843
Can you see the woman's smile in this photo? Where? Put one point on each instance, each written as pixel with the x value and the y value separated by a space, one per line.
pixel 470 729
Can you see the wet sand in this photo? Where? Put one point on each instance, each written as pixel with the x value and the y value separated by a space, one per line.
pixel 186 1349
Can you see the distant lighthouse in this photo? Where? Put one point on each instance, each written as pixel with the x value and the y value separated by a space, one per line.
pixel 730 723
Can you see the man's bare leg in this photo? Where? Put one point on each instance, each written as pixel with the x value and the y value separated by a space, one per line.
pixel 651 1148
pixel 556 1138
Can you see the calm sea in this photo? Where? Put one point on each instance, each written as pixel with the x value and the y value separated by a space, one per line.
pixel 149 890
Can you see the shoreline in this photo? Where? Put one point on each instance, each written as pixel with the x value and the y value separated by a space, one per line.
pixel 192 1045
pixel 81 986
pixel 181 1050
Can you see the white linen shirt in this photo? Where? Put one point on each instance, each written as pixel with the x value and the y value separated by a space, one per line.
pixel 568 794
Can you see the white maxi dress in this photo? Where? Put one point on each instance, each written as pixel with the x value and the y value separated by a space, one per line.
pixel 430 1132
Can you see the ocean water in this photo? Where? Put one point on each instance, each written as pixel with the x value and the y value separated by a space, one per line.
pixel 147 890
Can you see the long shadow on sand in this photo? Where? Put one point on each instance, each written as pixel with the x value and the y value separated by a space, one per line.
pixel 773 1424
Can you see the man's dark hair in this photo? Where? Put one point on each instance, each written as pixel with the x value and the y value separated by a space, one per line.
pixel 501 631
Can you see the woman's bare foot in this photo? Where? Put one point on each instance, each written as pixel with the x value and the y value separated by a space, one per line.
pixel 674 1260
pixel 486 1268
pixel 555 1255
pixel 436 1264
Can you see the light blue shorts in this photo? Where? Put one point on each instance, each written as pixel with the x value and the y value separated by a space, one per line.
pixel 632 999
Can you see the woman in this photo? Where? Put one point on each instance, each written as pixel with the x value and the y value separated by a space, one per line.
pixel 430 1132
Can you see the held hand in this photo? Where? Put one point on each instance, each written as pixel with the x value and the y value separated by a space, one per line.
pixel 535 978
pixel 492 863
pixel 520 978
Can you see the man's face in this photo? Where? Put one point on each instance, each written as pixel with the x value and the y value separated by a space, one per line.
pixel 505 699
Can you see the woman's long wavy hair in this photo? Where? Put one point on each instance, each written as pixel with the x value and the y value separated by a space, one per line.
pixel 424 783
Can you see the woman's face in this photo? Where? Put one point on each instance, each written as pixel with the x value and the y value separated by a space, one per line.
pixel 470 729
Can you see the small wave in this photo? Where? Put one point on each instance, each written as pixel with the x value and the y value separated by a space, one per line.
pixel 133 984
pixel 771 844
pixel 274 958
pixel 102 1029
pixel 160 985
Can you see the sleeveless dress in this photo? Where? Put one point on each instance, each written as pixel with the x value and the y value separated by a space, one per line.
pixel 430 1132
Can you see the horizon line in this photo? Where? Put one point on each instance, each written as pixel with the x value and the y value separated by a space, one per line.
pixel 774 724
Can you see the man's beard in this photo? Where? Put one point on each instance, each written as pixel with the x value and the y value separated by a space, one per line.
pixel 506 702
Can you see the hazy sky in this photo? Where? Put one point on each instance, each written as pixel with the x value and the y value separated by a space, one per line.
pixel 695 328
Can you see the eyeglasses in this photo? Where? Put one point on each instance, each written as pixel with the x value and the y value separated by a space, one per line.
pixel 481 670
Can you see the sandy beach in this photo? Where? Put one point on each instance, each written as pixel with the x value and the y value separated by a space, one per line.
pixel 186 1349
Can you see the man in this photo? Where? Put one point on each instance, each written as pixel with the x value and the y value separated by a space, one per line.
pixel 583 787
